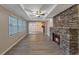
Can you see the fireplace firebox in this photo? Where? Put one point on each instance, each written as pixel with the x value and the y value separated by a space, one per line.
pixel 56 38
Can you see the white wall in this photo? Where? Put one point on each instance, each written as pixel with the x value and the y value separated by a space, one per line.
pixel 49 24
pixel 7 41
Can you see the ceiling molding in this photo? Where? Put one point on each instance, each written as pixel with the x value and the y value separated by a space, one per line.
pixel 22 6
pixel 59 8
pixel 52 8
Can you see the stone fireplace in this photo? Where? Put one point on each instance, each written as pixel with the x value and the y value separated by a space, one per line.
pixel 65 30
pixel 68 39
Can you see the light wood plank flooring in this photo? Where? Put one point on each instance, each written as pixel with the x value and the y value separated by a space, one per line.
pixel 38 44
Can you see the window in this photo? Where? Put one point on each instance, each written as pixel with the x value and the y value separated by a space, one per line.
pixel 16 25
pixel 20 26
pixel 12 25
pixel 24 25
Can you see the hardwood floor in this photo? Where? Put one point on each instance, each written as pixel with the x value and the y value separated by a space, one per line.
pixel 38 44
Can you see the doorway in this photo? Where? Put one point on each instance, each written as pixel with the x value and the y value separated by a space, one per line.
pixel 35 27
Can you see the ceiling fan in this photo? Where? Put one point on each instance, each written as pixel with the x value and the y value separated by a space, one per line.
pixel 37 13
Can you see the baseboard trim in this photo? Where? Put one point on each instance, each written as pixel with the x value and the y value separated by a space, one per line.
pixel 13 45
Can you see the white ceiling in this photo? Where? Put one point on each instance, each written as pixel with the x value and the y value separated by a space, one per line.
pixel 59 8
pixel 50 10
pixel 16 9
pixel 33 6
pixel 45 8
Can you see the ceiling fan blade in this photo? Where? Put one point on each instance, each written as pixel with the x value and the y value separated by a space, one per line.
pixel 42 14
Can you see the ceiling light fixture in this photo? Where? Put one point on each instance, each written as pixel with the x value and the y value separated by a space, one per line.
pixel 37 15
